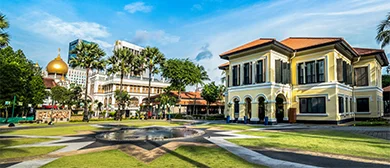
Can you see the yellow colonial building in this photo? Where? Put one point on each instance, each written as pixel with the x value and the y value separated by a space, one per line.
pixel 322 80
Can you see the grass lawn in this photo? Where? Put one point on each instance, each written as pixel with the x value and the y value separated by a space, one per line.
pixel 373 123
pixel 7 153
pixel 184 156
pixel 53 131
pixel 230 126
pixel 335 142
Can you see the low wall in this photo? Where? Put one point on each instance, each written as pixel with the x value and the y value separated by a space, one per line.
pixel 58 115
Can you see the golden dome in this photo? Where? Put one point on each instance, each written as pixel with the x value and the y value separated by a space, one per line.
pixel 57 66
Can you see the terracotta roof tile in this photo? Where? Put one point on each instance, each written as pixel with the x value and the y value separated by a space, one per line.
pixel 199 102
pixel 224 65
pixel 187 95
pixel 251 44
pixel 386 89
pixel 297 43
pixel 367 51
pixel 49 83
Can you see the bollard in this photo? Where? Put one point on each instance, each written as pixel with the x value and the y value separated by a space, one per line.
pixel 266 120
pixel 227 119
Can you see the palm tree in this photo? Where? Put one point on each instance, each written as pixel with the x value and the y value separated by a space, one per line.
pixel 154 60
pixel 123 62
pixel 200 76
pixel 4 37
pixel 383 35
pixel 90 57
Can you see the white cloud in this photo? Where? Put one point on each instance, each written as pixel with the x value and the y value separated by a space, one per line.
pixel 138 7
pixel 358 11
pixel 54 28
pixel 159 36
pixel 197 7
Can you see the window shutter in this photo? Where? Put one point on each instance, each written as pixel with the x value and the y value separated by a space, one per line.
pixel 288 73
pixel 344 72
pixel 263 66
pixel 339 70
pixel 228 78
pixel 239 75
pixel 357 75
pixel 350 74
pixel 365 76
pixel 256 72
pixel 250 73
pixel 277 69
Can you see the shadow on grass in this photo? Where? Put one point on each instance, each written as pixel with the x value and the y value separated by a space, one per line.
pixel 189 160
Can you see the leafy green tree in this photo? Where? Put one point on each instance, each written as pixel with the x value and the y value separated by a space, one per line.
pixel 20 77
pixel 180 72
pixel 199 77
pixel 75 93
pixel 59 94
pixel 385 80
pixel 4 37
pixel 123 62
pixel 210 93
pixel 166 99
pixel 154 60
pixel 37 90
pixel 383 35
pixel 124 97
pixel 90 57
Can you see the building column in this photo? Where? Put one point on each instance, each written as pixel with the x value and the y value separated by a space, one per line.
pixel 255 113
pixel 242 112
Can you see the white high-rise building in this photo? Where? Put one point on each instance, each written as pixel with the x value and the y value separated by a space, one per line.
pixel 77 76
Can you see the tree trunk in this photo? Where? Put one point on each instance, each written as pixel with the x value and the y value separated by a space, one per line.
pixel 193 109
pixel 150 81
pixel 179 98
pixel 208 108
pixel 85 117
pixel 119 116
pixel 6 114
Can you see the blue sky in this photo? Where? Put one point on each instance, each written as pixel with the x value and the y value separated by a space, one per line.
pixel 199 30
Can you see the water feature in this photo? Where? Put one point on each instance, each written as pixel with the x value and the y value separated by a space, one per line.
pixel 150 133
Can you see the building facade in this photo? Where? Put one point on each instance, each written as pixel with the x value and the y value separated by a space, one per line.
pixel 191 103
pixel 102 86
pixel 324 80
pixel 77 76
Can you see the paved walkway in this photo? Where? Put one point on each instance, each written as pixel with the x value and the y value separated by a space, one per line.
pixel 249 155
pixel 63 141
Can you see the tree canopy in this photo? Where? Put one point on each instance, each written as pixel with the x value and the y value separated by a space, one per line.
pixel 20 77
pixel 383 35
pixel 211 93
pixel 88 56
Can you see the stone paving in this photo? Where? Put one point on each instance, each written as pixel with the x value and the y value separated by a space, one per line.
pixel 249 155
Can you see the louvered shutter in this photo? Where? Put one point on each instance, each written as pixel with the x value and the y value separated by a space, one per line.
pixel 250 73
pixel 263 66
pixel 339 70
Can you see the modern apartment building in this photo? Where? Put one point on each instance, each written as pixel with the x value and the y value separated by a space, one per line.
pixel 324 79
pixel 77 76
pixel 73 45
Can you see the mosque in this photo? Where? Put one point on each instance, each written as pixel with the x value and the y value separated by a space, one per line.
pixel 55 75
